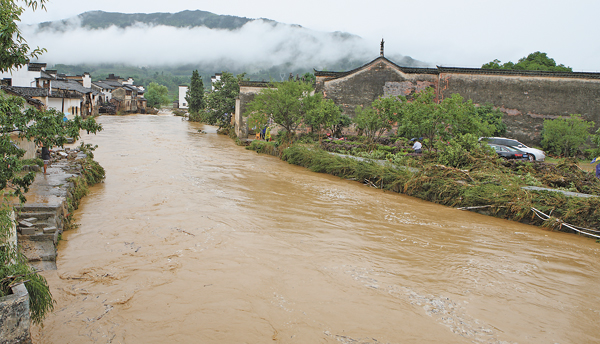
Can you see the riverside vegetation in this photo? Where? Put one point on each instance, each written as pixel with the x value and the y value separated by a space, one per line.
pixel 456 169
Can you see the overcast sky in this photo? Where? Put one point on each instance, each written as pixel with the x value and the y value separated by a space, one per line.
pixel 461 33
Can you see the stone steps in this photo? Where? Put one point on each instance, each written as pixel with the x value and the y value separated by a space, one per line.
pixel 38 233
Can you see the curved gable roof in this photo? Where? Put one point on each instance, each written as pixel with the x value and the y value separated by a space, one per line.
pixel 407 70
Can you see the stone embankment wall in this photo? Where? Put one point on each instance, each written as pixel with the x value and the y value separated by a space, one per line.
pixel 40 222
pixel 42 219
pixel 14 317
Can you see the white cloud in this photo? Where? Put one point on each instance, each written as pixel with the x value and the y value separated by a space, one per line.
pixel 258 43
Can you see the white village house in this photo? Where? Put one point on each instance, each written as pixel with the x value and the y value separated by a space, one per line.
pixel 182 92
pixel 71 95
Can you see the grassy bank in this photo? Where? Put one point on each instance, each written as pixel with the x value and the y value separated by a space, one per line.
pixel 487 183
pixel 89 173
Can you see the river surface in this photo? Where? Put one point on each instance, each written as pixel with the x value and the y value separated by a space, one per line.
pixel 192 239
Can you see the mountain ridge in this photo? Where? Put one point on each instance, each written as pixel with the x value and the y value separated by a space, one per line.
pixel 183 19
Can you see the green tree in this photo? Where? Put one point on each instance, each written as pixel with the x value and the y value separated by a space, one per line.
pixel 157 95
pixel 314 117
pixel 564 136
pixel 533 61
pixel 422 118
pixel 319 113
pixel 462 117
pixel 492 116
pixel 451 118
pixel 220 103
pixel 282 102
pixel 195 94
pixel 380 117
pixel 14 50
pixel 310 78
pixel 369 123
pixel 42 126
pixel 336 127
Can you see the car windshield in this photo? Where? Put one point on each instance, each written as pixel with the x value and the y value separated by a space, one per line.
pixel 506 142
pixel 511 149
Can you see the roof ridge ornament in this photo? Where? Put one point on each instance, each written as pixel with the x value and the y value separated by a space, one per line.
pixel 381 49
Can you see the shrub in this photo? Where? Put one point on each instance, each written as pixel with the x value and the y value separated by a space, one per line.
pixel 564 136
pixel 459 151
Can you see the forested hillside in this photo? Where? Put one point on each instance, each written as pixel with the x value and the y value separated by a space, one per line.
pixel 102 20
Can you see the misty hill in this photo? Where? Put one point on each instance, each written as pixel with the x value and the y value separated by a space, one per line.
pixel 167 47
pixel 103 20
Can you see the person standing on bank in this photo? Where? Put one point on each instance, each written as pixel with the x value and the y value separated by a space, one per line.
pixel 417 146
pixel 45 157
pixel 597 160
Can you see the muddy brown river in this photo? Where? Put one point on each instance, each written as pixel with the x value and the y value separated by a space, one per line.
pixel 192 239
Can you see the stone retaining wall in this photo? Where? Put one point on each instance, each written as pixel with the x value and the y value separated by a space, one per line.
pixel 14 317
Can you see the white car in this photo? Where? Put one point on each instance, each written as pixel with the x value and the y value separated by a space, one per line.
pixel 537 154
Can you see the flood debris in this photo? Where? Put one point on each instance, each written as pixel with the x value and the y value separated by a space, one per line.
pixel 484 184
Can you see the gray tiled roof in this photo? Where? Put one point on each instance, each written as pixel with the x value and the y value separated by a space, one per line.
pixel 35 67
pixel 32 91
pixel 15 91
pixel 578 75
pixel 70 85
pixel 112 83
pixel 103 84
pixel 131 87
pixel 44 75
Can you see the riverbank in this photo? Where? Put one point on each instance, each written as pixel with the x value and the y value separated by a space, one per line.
pixel 489 186
pixel 39 224
pixel 51 199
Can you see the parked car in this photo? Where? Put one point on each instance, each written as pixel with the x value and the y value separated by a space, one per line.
pixel 534 152
pixel 511 153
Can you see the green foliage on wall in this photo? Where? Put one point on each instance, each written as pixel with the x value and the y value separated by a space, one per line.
pixel 533 61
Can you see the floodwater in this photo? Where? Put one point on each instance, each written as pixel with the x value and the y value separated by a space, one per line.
pixel 192 239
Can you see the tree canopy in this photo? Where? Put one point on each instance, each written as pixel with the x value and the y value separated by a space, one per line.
pixel 14 50
pixel 195 94
pixel 565 136
pixel 220 103
pixel 285 103
pixel 157 95
pixel 533 61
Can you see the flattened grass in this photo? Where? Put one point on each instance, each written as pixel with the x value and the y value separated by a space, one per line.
pixel 491 183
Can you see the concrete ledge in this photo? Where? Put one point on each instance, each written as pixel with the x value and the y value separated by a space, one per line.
pixel 566 193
